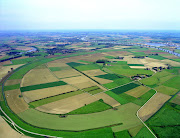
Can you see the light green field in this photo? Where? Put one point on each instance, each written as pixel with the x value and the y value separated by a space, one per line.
pixel 166 90
pixel 174 83
pixel 125 114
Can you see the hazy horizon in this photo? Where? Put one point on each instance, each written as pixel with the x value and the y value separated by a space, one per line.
pixel 90 15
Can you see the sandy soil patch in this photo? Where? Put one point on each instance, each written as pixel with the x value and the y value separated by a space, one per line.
pixel 101 80
pixel 47 92
pixel 172 63
pixel 84 85
pixel 7 132
pixel 107 99
pixel 137 67
pixel 66 73
pixel 4 69
pixel 12 82
pixel 153 105
pixel 138 91
pixel 16 103
pixel 68 104
pixel 94 72
pixel 38 76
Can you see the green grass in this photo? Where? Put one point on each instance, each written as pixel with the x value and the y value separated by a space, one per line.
pixel 41 86
pixel 83 121
pixel 23 61
pixel 74 64
pixel 94 107
pixel 117 83
pixel 166 122
pixel 54 98
pixel 178 60
pixel 87 67
pixel 158 78
pixel 11 87
pixel 109 57
pixel 135 64
pixel 144 133
pixel 174 83
pixel 157 57
pixel 122 134
pixel 116 97
pixel 108 76
pixel 166 90
pixel 124 88
pixel 55 68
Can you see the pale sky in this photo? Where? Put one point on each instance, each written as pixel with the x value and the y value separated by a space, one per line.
pixel 89 14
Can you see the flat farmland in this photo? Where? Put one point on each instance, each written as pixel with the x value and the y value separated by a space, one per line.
pixel 138 91
pixel 154 104
pixel 75 80
pixel 38 76
pixel 101 81
pixel 33 95
pixel 84 121
pixel 4 69
pixel 166 90
pixel 84 85
pixel 107 99
pixel 66 73
pixel 16 103
pixel 172 63
pixel 68 104
pixel 95 72
pixel 12 82
pixel 176 100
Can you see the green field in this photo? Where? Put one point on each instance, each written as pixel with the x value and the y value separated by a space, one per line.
pixel 93 90
pixel 122 134
pixel 166 123
pixel 74 64
pixel 55 68
pixel 117 82
pixel 85 61
pixel 143 133
pixel 174 83
pixel 11 87
pixel 124 88
pixel 109 57
pixel 42 86
pixel 23 61
pixel 54 98
pixel 83 121
pixel 87 67
pixel 108 76
pixel 96 106
pixel 166 90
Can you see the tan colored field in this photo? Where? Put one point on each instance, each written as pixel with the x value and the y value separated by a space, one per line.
pixel 150 62
pixel 170 56
pixel 16 103
pixel 101 80
pixel 66 73
pixel 21 57
pixel 176 100
pixel 30 96
pixel 12 82
pixel 25 48
pixel 107 99
pixel 134 130
pixel 118 53
pixel 5 63
pixel 38 76
pixel 4 69
pixel 84 85
pixel 172 63
pixel 75 80
pixel 131 60
pixel 68 104
pixel 7 132
pixel 57 64
pixel 137 67
pixel 153 105
pixel 94 72
pixel 138 91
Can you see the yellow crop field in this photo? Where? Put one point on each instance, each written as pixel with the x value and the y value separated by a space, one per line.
pixel 16 103
pixel 154 104
pixel 172 63
pixel 68 104
pixel 66 73
pixel 75 80
pixel 101 80
pixel 12 82
pixel 84 85
pixel 38 76
pixel 94 72
pixel 30 96
pixel 138 91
